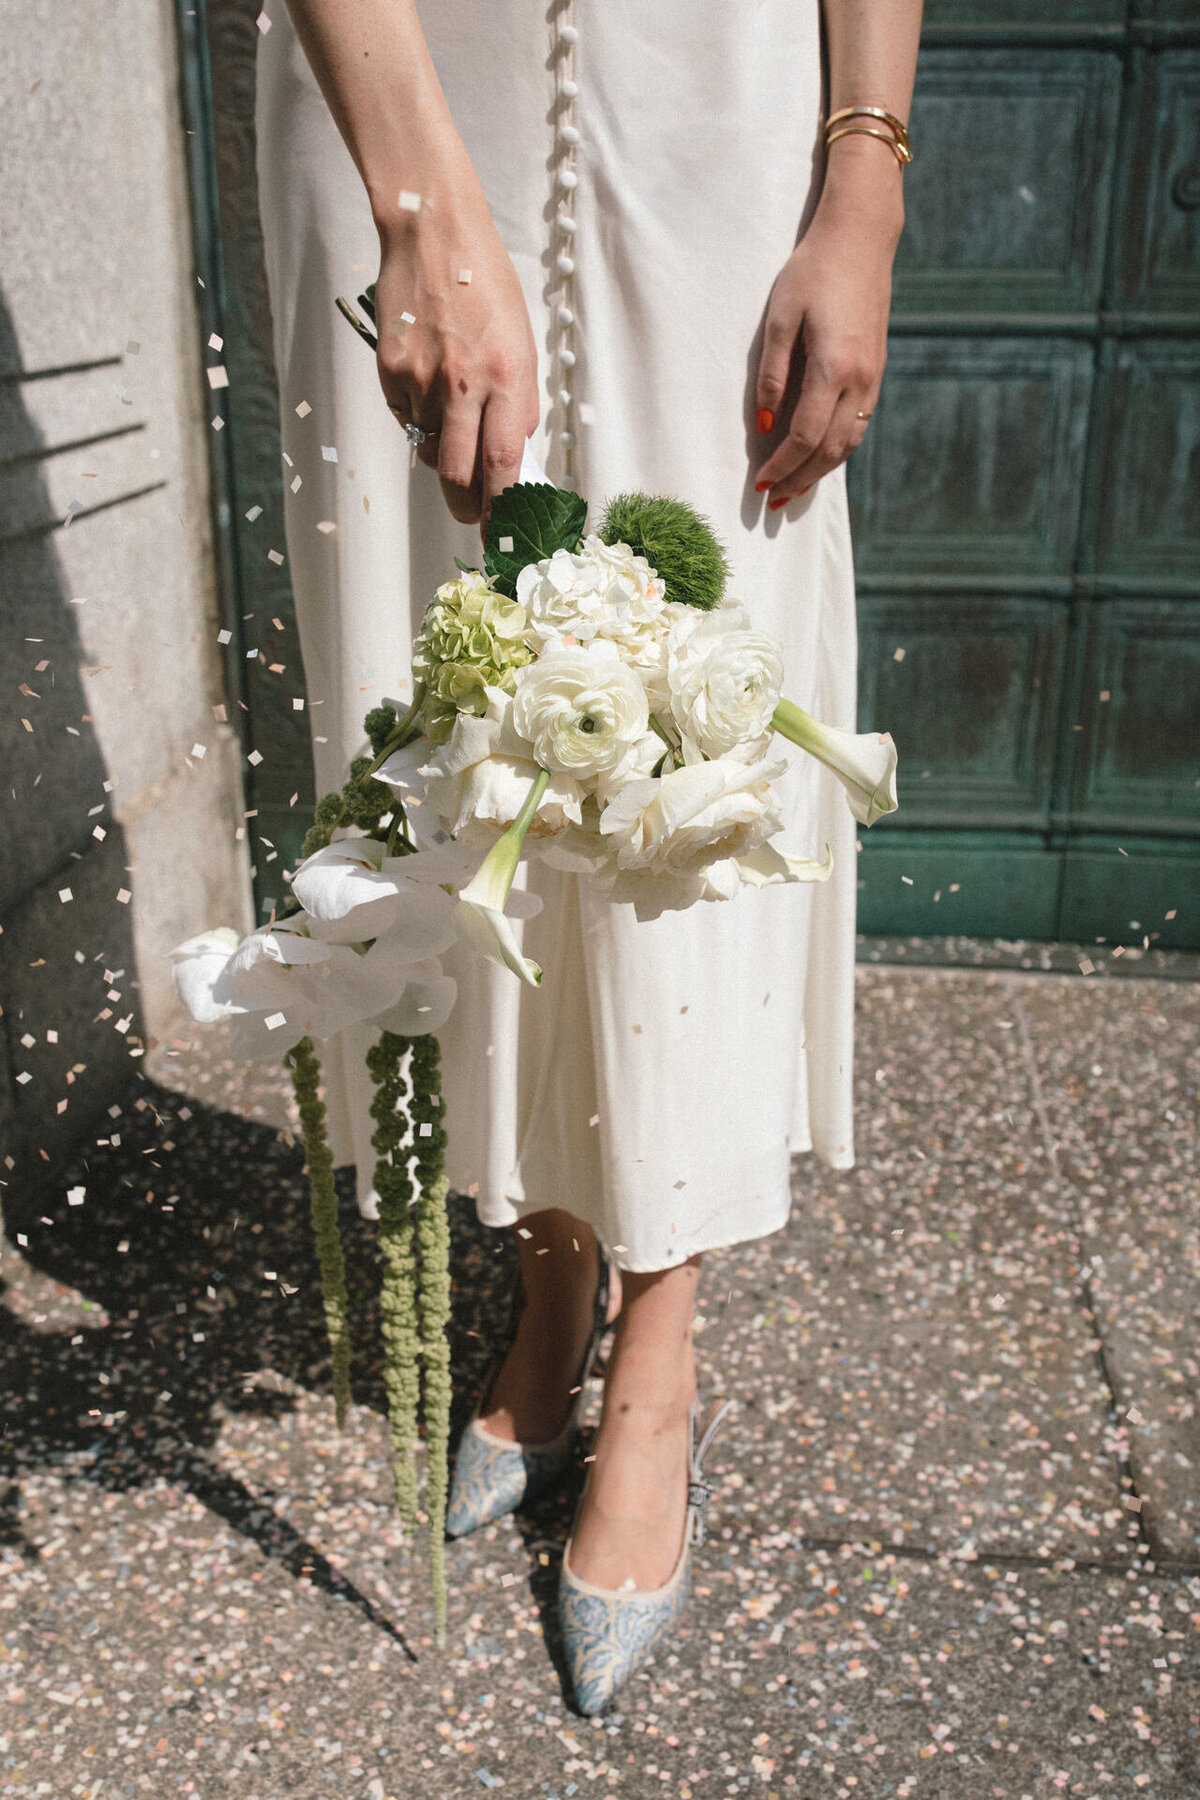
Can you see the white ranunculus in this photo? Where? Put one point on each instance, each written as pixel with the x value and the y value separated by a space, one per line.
pixel 651 894
pixel 580 707
pixel 703 813
pixel 599 590
pixel 724 677
pixel 478 782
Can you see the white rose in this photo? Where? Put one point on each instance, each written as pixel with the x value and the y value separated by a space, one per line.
pixel 725 679
pixel 479 781
pixel 693 817
pixel 599 590
pixel 580 707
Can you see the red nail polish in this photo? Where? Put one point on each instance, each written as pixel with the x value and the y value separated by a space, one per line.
pixel 776 504
pixel 760 487
pixel 766 420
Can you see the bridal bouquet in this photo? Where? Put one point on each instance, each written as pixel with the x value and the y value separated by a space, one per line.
pixel 592 699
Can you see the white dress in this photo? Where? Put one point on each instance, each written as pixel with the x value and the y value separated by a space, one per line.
pixel 662 1077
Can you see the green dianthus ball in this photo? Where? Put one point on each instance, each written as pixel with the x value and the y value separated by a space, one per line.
pixel 675 540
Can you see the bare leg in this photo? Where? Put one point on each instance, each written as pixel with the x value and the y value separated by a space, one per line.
pixel 531 1397
pixel 634 1511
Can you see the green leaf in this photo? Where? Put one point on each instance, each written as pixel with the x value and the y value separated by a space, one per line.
pixel 467 568
pixel 539 519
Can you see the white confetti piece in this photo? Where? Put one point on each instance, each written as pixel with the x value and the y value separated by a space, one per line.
pixel 297 483
pixel 329 452
pixel 274 556
pixel 326 526
pixel 254 758
pixel 464 276
pixel 224 637
pixel 303 410
pixel 275 1020
pixel 65 894
pixel 506 545
pixel 76 1196
pixel 409 202
pixel 218 376
pixel 263 22
pixel 124 896
pixel 409 318
pixel 297 705
pixel 425 1131
pixel 24 1076
pixel 199 751
pixel 218 424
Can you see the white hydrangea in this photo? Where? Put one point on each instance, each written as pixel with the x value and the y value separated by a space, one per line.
pixel 599 590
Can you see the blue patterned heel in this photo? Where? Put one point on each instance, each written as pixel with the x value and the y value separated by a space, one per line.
pixel 609 1633
pixel 492 1476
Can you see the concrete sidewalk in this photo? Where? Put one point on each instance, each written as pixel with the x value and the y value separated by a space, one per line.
pixel 955 1548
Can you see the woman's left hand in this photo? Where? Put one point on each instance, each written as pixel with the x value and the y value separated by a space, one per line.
pixel 827 317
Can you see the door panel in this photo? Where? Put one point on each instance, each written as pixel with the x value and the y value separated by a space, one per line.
pixel 974 459
pixel 1148 512
pixel 1005 205
pixel 970 686
pixel 1139 760
pixel 1161 261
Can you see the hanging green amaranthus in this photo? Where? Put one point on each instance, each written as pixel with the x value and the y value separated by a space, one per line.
pixel 397 1243
pixel 433 1242
pixel 306 1076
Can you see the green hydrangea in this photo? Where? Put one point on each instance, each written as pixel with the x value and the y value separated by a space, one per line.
pixel 471 638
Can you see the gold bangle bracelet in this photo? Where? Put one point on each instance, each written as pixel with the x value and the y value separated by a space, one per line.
pixel 902 154
pixel 876 112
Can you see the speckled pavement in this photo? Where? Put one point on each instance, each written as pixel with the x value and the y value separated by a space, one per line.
pixel 955 1547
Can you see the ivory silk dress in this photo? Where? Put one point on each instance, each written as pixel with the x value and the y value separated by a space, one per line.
pixel 658 1082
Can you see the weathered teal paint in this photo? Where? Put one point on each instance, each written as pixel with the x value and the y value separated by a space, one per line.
pixel 1027 502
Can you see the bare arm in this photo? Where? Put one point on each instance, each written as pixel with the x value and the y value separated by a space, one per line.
pixel 465 369
pixel 829 307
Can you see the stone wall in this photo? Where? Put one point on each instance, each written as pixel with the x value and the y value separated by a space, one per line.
pixel 121 787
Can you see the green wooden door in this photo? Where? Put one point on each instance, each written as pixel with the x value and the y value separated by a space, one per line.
pixel 1026 504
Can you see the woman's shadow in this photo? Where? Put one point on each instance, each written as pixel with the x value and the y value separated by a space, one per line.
pixel 127 1382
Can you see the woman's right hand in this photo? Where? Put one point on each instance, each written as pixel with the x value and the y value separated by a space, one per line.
pixel 466 367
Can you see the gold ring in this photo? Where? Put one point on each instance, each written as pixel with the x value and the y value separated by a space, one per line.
pixel 861 415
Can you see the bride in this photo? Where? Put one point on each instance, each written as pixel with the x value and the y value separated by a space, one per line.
pixel 655 244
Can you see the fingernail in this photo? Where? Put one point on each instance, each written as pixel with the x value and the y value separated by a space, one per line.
pixel 760 487
pixel 776 504
pixel 766 420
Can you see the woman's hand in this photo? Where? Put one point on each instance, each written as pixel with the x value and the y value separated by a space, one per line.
pixel 826 331
pixel 464 365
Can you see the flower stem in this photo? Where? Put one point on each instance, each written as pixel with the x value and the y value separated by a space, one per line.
pixel 306 1075
pixel 398 736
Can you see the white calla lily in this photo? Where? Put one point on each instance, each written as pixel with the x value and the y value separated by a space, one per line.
pixel 864 763
pixel 480 914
